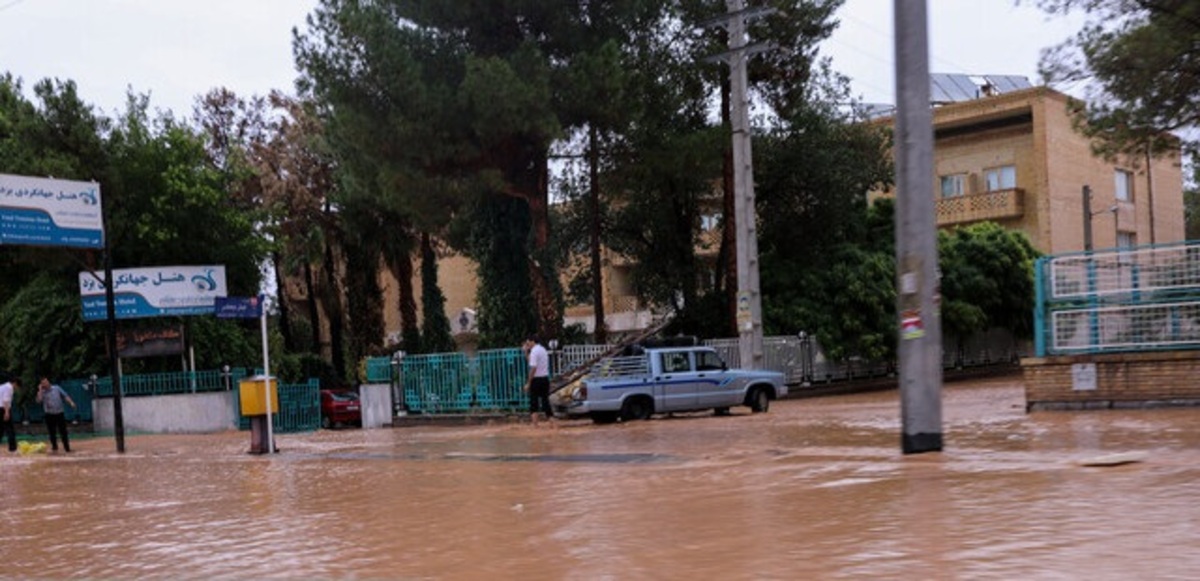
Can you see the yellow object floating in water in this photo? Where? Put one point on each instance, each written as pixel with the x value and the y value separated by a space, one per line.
pixel 27 448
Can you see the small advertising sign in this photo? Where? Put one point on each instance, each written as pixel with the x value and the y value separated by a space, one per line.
pixel 50 212
pixel 156 342
pixel 911 326
pixel 239 307
pixel 154 292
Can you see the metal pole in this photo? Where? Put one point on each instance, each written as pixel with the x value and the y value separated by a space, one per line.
pixel 1087 218
pixel 114 360
pixel 749 297
pixel 916 237
pixel 266 375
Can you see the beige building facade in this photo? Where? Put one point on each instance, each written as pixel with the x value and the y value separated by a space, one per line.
pixel 1016 160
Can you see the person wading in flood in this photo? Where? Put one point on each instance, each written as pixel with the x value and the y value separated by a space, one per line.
pixel 538 384
pixel 7 391
pixel 51 397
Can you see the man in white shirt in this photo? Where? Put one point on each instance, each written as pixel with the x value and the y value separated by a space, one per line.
pixel 538 383
pixel 7 390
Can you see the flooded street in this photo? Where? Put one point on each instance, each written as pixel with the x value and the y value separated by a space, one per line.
pixel 815 489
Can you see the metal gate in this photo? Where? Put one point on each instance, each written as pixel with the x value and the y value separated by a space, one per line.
pixel 456 383
pixel 1127 299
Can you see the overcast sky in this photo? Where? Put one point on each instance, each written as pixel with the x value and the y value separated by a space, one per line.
pixel 178 49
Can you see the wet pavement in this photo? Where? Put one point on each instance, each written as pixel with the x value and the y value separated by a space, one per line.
pixel 815 489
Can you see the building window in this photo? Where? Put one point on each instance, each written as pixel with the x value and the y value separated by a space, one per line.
pixel 1001 178
pixel 954 185
pixel 1126 240
pixel 1124 185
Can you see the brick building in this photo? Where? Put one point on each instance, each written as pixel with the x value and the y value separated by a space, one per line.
pixel 1015 159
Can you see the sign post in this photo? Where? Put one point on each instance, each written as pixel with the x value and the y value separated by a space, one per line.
pixel 249 308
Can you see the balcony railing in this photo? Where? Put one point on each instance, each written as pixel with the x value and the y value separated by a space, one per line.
pixel 978 207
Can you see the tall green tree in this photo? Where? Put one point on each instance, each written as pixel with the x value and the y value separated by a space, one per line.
pixel 1142 68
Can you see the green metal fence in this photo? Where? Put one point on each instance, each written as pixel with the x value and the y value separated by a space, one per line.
pixel 456 383
pixel 378 370
pixel 299 403
pixel 145 384
pixel 299 408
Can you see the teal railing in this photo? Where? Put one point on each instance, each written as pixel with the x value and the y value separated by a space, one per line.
pixel 456 383
pixel 378 370
pixel 145 384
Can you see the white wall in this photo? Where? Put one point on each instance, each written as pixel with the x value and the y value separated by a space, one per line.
pixel 191 413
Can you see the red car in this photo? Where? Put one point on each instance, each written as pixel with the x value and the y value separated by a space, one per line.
pixel 339 407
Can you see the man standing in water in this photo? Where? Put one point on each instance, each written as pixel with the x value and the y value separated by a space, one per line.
pixel 538 383
pixel 51 397
pixel 7 390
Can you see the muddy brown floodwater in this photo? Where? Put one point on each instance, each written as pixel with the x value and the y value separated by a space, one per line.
pixel 815 489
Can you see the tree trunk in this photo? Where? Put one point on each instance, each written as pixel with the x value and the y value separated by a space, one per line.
pixel 333 308
pixel 285 309
pixel 600 334
pixel 314 312
pixel 549 318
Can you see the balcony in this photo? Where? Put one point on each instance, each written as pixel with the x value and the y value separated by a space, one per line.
pixel 994 205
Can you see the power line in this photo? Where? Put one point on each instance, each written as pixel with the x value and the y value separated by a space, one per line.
pixel 10 5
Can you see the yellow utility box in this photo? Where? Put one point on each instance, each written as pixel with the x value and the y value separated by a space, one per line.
pixel 253 402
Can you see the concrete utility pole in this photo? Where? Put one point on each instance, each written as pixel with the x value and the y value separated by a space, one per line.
pixel 749 295
pixel 918 287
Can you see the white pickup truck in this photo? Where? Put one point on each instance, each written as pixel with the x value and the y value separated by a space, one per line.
pixel 669 379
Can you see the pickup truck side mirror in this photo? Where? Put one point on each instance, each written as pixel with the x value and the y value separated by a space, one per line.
pixel 724 366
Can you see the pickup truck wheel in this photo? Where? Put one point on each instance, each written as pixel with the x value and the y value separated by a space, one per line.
pixel 604 417
pixel 637 408
pixel 760 401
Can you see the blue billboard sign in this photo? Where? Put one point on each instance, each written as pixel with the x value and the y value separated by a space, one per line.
pixel 154 292
pixel 50 212
pixel 239 307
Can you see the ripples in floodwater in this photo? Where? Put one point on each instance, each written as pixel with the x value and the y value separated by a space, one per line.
pixel 815 489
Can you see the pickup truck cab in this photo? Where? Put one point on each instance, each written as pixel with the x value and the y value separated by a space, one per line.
pixel 670 379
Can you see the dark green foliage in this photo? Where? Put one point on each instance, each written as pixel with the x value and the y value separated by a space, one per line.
pixel 813 175
pixel 847 301
pixel 499 244
pixel 435 329
pixel 987 280
pixel 364 297
pixel 44 331
pixel 166 205
pixel 219 342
